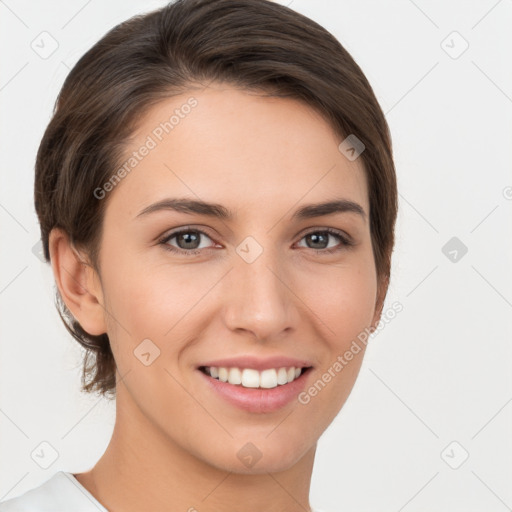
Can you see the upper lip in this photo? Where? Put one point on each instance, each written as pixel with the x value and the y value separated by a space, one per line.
pixel 258 363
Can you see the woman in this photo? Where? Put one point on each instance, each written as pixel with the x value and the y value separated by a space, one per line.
pixel 217 199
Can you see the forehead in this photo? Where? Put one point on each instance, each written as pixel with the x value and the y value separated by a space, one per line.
pixel 238 148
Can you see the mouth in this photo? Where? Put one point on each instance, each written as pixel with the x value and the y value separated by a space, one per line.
pixel 255 391
pixel 253 379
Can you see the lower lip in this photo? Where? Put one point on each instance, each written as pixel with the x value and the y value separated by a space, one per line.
pixel 260 400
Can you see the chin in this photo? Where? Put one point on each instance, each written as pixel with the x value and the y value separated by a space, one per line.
pixel 258 454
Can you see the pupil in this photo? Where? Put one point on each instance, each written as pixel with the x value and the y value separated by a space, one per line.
pixel 316 237
pixel 189 238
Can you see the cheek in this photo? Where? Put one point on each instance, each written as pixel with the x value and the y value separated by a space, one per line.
pixel 149 299
pixel 343 297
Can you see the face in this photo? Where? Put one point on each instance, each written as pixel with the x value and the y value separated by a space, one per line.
pixel 262 288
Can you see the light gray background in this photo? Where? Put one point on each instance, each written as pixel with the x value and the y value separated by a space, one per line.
pixel 439 372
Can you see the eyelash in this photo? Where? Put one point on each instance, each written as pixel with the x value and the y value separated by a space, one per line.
pixel 345 242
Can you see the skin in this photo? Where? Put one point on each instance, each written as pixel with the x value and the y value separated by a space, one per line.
pixel 175 442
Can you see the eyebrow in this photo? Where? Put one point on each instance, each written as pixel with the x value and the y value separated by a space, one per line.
pixel 309 211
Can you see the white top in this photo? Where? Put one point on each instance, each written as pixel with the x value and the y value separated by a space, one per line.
pixel 61 493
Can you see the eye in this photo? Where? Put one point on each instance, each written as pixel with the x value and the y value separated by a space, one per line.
pixel 321 237
pixel 187 239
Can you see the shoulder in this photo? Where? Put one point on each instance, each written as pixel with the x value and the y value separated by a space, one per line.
pixel 60 493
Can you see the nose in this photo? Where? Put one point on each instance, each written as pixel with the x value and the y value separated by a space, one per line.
pixel 259 298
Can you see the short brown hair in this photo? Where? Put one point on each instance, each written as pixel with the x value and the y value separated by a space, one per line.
pixel 253 44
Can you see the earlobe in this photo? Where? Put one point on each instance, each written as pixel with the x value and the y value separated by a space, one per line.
pixel 78 283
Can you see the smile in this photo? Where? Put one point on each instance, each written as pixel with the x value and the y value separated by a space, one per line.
pixel 251 378
pixel 254 391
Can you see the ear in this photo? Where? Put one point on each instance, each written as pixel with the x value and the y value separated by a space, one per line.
pixel 379 304
pixel 78 283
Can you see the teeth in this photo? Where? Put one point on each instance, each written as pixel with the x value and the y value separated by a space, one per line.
pixel 235 376
pixel 250 378
pixel 282 376
pixel 268 378
pixel 223 374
